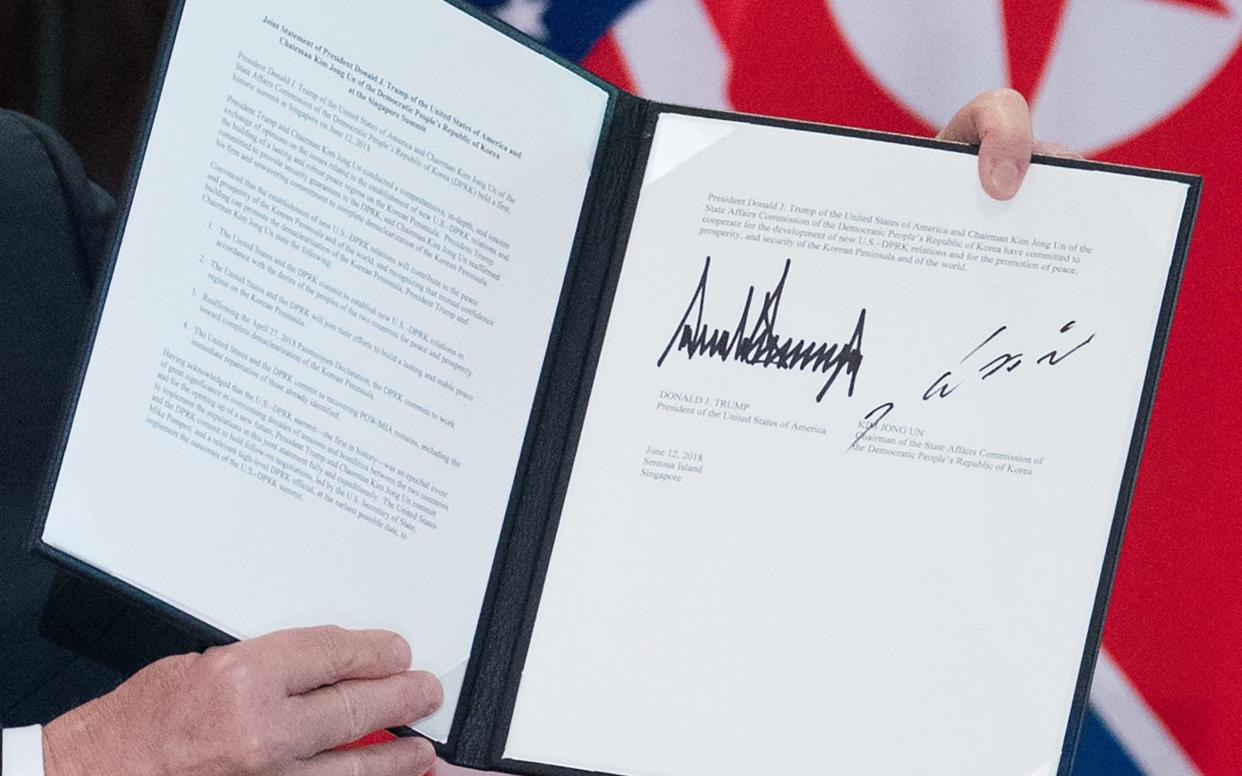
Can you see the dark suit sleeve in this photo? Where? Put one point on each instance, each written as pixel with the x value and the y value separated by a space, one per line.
pixel 63 640
pixel 53 224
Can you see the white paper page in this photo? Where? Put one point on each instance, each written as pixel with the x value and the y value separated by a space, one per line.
pixel 731 591
pixel 321 345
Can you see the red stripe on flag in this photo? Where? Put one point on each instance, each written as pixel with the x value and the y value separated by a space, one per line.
pixel 1214 6
pixel 790 59
pixel 1030 31
pixel 1175 623
pixel 607 62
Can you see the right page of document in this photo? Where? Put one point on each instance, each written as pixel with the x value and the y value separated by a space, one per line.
pixel 850 464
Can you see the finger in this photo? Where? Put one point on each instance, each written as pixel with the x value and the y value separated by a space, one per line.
pixel 308 658
pixel 340 713
pixel 1045 148
pixel 1000 122
pixel 403 757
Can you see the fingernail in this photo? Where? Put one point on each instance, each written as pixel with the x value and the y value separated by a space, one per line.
pixel 1005 180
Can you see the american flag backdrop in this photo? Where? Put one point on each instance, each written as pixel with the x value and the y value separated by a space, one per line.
pixel 1148 82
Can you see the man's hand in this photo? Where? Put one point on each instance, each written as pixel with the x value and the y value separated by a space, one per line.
pixel 1000 122
pixel 275 706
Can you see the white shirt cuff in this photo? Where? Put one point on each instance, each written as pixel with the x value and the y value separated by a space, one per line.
pixel 22 752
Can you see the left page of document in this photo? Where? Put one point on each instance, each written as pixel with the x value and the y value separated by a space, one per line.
pixel 319 352
pixel 851 462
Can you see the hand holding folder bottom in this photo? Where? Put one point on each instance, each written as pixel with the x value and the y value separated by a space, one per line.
pixel 279 705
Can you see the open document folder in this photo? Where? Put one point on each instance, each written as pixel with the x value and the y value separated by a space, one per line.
pixel 675 442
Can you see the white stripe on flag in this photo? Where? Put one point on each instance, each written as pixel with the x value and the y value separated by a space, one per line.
pixel 674 53
pixel 1133 723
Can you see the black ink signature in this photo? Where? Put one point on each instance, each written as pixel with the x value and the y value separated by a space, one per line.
pixel 762 345
pixel 873 419
pixel 1005 361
